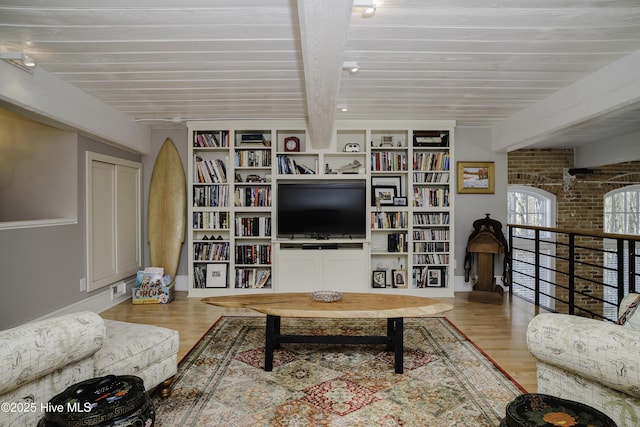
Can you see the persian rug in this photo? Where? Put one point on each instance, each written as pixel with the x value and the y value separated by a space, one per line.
pixel 447 380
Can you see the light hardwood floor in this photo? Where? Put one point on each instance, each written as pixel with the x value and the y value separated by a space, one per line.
pixel 499 330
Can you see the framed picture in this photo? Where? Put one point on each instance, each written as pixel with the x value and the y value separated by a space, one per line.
pixel 399 278
pixel 435 278
pixel 388 181
pixel 384 194
pixel 379 278
pixel 386 141
pixel 399 201
pixel 476 177
pixel 216 276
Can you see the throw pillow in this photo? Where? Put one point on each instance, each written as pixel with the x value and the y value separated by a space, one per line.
pixel 630 318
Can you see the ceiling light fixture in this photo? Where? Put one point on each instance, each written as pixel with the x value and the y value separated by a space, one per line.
pixel 342 107
pixel 350 66
pixel 20 60
pixel 366 7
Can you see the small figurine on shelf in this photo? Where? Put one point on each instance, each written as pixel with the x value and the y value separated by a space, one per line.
pixel 352 167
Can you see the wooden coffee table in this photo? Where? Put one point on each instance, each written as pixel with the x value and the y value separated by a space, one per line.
pixel 394 308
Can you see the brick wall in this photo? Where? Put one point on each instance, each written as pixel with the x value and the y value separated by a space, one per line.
pixel 579 207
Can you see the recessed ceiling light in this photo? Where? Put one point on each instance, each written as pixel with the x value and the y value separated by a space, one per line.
pixel 19 59
pixel 366 7
pixel 350 66
pixel 342 107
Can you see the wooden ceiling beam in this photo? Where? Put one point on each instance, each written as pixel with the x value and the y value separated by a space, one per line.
pixel 323 31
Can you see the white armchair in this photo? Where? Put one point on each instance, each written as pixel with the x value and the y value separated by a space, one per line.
pixel 590 361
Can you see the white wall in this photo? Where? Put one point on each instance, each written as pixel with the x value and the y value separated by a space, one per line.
pixel 473 144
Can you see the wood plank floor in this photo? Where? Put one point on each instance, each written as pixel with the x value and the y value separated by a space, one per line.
pixel 499 330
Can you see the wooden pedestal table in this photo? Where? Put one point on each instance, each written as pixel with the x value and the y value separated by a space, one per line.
pixel 394 308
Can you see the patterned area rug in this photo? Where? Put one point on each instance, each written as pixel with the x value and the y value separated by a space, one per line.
pixel 447 381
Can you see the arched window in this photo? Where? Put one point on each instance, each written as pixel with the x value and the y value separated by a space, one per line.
pixel 532 206
pixel 622 210
pixel 621 216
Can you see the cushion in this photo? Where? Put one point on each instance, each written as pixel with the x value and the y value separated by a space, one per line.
pixel 130 348
pixel 35 349
pixel 630 317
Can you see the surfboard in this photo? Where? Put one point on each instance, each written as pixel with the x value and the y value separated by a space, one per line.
pixel 167 209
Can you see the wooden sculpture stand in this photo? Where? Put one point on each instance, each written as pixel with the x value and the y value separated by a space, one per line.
pixel 485 290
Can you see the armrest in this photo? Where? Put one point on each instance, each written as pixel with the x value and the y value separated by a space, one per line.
pixel 603 352
pixel 32 350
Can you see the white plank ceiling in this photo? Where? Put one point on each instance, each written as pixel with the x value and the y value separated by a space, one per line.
pixel 473 61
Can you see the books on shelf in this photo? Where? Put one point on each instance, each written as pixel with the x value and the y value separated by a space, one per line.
pixel 211 251
pixel 288 166
pixel 255 196
pixel 210 220
pixel 253 277
pixel 388 161
pixel 253 226
pixel 431 234
pixel 386 220
pixel 211 139
pixel 209 171
pixel 431 161
pixel 253 254
pixel 253 158
pixel 211 196
pixel 438 218
pixel 431 197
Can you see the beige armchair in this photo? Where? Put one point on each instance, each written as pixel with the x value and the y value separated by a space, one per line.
pixel 589 361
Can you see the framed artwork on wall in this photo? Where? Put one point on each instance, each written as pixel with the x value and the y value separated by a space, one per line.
pixel 476 177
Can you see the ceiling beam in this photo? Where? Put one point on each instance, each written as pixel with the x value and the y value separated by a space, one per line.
pixel 323 30
pixel 44 97
pixel 613 88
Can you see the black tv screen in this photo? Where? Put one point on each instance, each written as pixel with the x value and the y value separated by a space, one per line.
pixel 322 209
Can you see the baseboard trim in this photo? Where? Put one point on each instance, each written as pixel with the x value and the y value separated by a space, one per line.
pixel 96 303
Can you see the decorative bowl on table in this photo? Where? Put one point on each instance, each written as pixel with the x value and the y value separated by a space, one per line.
pixel 326 296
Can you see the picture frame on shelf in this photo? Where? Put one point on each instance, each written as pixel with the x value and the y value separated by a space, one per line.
pixel 476 177
pixel 400 201
pixel 399 278
pixel 386 141
pixel 388 181
pixel 382 195
pixel 216 275
pixel 435 278
pixel 379 278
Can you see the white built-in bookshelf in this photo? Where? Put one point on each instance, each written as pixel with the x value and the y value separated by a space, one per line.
pixel 234 171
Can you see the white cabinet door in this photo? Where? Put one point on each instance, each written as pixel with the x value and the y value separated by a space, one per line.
pixel 299 271
pixel 114 239
pixel 308 270
pixel 344 270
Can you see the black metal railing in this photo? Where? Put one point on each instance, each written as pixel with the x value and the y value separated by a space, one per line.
pixel 574 272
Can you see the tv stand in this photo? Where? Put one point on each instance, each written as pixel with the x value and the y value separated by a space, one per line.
pixel 307 266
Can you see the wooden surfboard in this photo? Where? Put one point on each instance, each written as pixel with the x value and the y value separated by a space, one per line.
pixel 167 209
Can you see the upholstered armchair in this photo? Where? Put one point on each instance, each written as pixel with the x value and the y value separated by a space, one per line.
pixel 591 361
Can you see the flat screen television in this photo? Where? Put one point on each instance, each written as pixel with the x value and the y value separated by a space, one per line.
pixel 321 209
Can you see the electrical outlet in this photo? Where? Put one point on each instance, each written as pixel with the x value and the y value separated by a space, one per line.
pixel 83 284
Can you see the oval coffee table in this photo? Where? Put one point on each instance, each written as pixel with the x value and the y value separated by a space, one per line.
pixel 394 308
